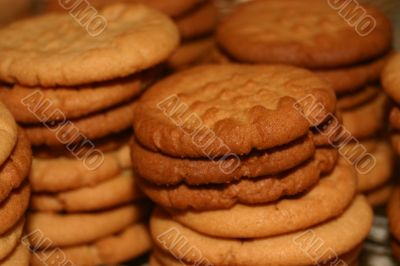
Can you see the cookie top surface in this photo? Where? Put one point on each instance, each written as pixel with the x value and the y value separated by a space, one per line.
pixel 56 49
pixel 8 133
pixel 236 108
pixel 305 33
pixel 391 78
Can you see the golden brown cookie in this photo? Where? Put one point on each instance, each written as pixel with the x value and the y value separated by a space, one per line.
pixel 14 207
pixel 162 169
pixel 329 132
pixel 380 196
pixel 81 228
pixel 11 239
pixel 354 120
pixel 190 53
pixel 36 105
pixel 352 227
pixel 119 41
pixel 8 133
pixel 110 193
pixel 325 201
pixel 394 212
pixel 20 256
pixel 230 109
pixel 224 196
pixel 285 31
pixel 61 174
pixel 199 21
pixel 16 168
pixel 391 78
pixel 356 98
pixel 94 126
pixel 327 158
pixel 110 250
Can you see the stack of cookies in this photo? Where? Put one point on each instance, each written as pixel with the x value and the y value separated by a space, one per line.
pixel 15 161
pixel 73 89
pixel 231 162
pixel 394 220
pixel 286 31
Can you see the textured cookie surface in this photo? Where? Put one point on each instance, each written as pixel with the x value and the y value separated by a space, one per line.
pixel 20 256
pixel 285 32
pixel 327 200
pixel 11 239
pixel 352 227
pixel 224 196
pixel 229 109
pixel 391 78
pixel 121 40
pixel 110 250
pixel 81 228
pixel 8 133
pixel 161 169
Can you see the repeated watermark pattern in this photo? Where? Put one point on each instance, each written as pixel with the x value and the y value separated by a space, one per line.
pixel 201 135
pixel 338 136
pixel 179 247
pixel 85 15
pixel 355 15
pixel 66 132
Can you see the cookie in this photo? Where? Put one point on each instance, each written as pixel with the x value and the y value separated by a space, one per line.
pixel 327 158
pixel 380 196
pixel 285 32
pixel 14 207
pixel 8 133
pixel 16 168
pixel 91 127
pixel 394 117
pixel 81 228
pixel 190 53
pixel 110 193
pixel 110 250
pixel 357 98
pixel 393 212
pixel 224 196
pixel 119 41
pixel 35 105
pixel 326 201
pixel 199 21
pixel 162 169
pixel 330 131
pixel 352 227
pixel 391 79
pixel 354 120
pixel 61 174
pixel 20 256
pixel 11 239
pixel 230 109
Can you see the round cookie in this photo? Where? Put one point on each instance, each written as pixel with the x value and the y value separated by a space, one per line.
pixel 356 98
pixel 95 126
pixel 352 227
pixel 11 239
pixel 380 196
pixel 328 132
pixel 119 41
pixel 199 21
pixel 162 169
pixel 61 174
pixel 224 196
pixel 81 228
pixel 391 78
pixel 327 158
pixel 230 109
pixel 110 193
pixel 190 53
pixel 393 212
pixel 354 120
pixel 35 105
pixel 110 250
pixel 16 168
pixel 20 256
pixel 326 201
pixel 8 133
pixel 285 32
pixel 14 207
